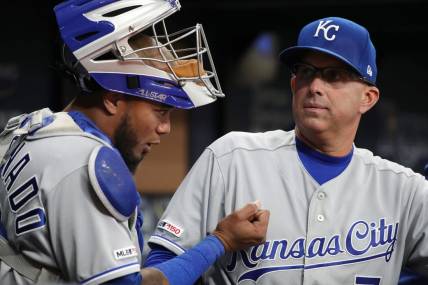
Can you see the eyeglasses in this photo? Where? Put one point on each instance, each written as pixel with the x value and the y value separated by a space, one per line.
pixel 333 75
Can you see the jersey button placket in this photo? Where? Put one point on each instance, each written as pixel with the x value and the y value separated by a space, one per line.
pixel 316 229
pixel 321 195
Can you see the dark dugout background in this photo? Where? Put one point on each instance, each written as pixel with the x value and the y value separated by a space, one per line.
pixel 245 38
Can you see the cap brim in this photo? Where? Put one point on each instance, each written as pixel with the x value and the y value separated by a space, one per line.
pixel 292 55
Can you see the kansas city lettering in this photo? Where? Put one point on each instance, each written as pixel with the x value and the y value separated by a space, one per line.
pixel 362 239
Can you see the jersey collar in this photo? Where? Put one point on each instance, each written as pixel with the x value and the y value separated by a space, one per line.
pixel 88 126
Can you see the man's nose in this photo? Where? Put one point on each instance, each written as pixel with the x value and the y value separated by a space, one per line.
pixel 164 126
pixel 316 84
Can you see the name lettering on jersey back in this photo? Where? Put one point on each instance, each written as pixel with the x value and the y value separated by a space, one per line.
pixel 363 241
pixel 9 177
pixel 21 193
pixel 14 150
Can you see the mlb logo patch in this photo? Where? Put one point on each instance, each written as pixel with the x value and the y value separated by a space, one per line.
pixel 126 252
pixel 170 228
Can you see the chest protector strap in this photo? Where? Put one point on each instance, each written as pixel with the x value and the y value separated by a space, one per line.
pixel 20 264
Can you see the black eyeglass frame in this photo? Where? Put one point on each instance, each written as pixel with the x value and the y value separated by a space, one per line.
pixel 352 74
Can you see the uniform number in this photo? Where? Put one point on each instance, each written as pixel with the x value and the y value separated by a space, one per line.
pixel 363 280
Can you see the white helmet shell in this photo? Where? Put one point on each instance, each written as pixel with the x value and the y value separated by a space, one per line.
pixel 125 47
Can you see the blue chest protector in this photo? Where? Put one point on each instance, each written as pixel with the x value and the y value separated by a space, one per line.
pixel 113 184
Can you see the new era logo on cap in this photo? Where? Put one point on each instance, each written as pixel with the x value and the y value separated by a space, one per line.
pixel 341 38
pixel 369 70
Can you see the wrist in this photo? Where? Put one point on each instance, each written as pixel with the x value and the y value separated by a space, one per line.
pixel 218 243
pixel 221 239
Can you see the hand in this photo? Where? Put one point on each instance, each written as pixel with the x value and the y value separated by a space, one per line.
pixel 243 228
pixel 153 276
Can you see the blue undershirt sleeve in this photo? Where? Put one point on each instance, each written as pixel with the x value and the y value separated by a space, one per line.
pixel 409 278
pixel 189 266
pixel 157 255
pixel 130 279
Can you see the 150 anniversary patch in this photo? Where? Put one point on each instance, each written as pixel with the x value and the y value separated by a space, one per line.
pixel 171 228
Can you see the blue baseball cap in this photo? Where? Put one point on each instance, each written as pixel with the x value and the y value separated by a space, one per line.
pixel 338 37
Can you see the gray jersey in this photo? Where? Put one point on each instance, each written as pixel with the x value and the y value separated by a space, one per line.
pixel 52 214
pixel 358 228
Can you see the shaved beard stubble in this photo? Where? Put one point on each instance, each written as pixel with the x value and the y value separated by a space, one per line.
pixel 126 139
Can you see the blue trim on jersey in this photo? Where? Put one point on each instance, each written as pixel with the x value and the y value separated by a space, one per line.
pixel 109 271
pixel 157 255
pixel 88 126
pixel 334 263
pixel 170 241
pixel 130 279
pixel 320 166
pixel 257 273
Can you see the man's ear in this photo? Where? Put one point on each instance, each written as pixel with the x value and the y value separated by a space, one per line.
pixel 113 102
pixel 293 84
pixel 369 98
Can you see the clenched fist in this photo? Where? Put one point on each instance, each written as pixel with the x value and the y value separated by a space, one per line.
pixel 243 228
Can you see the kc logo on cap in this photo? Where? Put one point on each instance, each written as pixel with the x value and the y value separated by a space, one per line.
pixel 325 27
pixel 338 37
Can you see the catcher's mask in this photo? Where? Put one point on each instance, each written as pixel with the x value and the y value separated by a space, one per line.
pixel 124 46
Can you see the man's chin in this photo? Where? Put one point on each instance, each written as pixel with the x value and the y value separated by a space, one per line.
pixel 315 125
pixel 133 163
